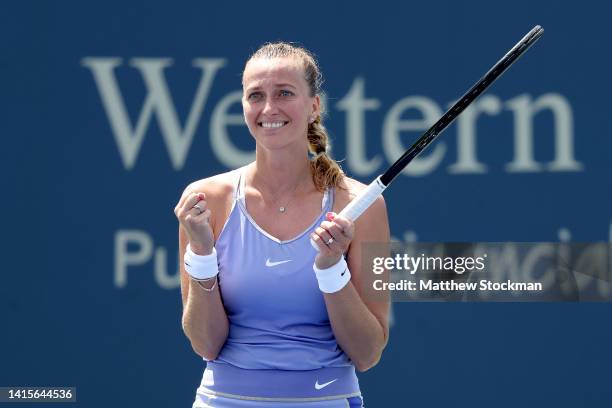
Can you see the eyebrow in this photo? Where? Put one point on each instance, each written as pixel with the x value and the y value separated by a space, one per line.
pixel 283 85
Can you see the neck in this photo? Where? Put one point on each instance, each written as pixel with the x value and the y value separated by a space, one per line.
pixel 276 173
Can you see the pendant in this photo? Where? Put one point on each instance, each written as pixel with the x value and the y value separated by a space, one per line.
pixel 281 209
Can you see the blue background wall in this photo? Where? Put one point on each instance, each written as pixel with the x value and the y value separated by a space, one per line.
pixel 68 197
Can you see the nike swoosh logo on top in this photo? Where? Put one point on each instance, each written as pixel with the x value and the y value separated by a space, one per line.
pixel 269 263
pixel 321 386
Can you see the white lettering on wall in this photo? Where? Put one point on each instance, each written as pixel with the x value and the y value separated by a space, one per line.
pixel 524 110
pixel 158 101
pixel 355 105
pixel 125 258
pixel 225 151
pixel 141 254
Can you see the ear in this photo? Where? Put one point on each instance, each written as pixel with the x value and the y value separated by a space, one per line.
pixel 316 107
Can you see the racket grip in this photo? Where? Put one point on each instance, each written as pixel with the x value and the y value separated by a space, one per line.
pixel 360 203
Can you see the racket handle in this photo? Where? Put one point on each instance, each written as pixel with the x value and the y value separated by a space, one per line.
pixel 360 203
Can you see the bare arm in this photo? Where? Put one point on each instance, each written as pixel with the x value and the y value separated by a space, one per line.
pixel 360 325
pixel 204 319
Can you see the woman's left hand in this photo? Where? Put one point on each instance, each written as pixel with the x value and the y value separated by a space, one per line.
pixel 333 238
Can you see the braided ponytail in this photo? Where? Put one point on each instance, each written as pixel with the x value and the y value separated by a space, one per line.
pixel 325 171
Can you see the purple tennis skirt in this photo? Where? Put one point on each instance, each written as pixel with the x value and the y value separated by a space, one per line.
pixel 226 386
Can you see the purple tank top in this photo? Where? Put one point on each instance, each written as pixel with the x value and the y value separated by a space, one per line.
pixel 277 314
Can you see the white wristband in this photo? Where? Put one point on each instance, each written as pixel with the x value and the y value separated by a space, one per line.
pixel 334 278
pixel 201 266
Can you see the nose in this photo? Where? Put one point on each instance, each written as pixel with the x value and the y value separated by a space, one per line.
pixel 270 107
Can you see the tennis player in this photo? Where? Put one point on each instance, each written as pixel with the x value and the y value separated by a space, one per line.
pixel 279 323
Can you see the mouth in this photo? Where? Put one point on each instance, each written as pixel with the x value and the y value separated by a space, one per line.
pixel 272 125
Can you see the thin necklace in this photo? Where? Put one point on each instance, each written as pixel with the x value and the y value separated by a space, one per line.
pixel 283 208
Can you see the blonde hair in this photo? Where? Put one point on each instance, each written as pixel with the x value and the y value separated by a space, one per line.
pixel 325 171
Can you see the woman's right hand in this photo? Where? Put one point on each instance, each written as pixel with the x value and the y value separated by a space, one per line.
pixel 194 215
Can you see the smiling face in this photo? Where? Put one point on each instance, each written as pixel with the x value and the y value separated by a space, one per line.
pixel 277 102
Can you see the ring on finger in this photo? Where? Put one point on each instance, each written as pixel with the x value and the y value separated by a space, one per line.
pixel 198 208
pixel 329 241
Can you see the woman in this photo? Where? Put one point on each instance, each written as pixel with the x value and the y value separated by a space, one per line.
pixel 279 323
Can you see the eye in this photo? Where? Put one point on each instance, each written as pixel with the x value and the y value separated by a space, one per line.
pixel 255 96
pixel 285 92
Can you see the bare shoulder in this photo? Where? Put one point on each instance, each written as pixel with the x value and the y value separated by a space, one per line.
pixel 217 187
pixel 348 189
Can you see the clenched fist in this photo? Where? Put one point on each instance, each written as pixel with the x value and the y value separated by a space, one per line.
pixel 194 216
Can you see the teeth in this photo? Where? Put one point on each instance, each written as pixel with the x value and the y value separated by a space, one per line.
pixel 272 124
